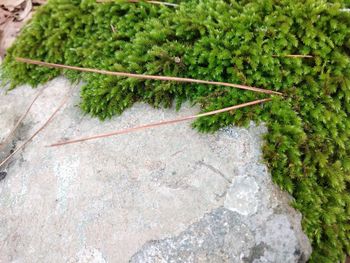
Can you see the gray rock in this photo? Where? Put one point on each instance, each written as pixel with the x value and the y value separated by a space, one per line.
pixel 222 236
pixel 242 197
pixel 2 175
pixel 219 236
pixel 167 194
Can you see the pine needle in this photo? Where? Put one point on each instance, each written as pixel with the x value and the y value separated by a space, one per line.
pixel 141 76
pixel 65 99
pixel 153 125
pixel 146 1
pixel 3 143
pixel 293 56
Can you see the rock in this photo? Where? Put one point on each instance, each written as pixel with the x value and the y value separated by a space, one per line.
pixel 167 194
pixel 87 255
pixel 2 175
pixel 241 196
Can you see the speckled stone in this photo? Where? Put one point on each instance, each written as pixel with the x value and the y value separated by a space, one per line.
pixel 167 194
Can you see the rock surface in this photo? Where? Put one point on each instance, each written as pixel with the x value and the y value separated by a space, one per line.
pixel 168 194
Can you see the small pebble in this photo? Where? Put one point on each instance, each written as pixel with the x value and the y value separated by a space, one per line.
pixel 177 60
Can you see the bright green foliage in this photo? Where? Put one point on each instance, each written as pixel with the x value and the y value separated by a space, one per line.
pixel 308 144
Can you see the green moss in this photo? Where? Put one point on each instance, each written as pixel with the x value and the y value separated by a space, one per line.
pixel 307 147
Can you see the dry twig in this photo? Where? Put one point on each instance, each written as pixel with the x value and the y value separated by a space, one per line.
pixel 292 56
pixel 153 125
pixel 141 76
pixel 146 1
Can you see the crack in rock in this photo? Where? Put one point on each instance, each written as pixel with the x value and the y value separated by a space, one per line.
pixel 215 170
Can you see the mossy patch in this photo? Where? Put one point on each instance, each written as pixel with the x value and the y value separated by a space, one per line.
pixel 307 147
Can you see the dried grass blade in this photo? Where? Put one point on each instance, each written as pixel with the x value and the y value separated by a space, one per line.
pixel 153 125
pixel 293 56
pixel 146 1
pixel 64 101
pixel 3 143
pixel 151 77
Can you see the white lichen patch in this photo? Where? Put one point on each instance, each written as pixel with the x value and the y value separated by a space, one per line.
pixel 242 196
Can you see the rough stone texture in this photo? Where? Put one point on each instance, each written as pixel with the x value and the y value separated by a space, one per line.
pixel 163 195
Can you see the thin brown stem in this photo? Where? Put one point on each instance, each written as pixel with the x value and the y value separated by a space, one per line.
pixel 3 143
pixel 292 56
pixel 153 125
pixel 146 1
pixel 141 76
pixel 65 99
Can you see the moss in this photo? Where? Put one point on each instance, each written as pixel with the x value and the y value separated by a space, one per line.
pixel 307 145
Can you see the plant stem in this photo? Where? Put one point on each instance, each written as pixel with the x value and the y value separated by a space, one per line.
pixel 141 76
pixel 153 125
pixel 293 56
pixel 2 144
pixel 146 1
pixel 65 99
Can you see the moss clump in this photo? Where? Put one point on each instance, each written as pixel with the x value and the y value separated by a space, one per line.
pixel 307 147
